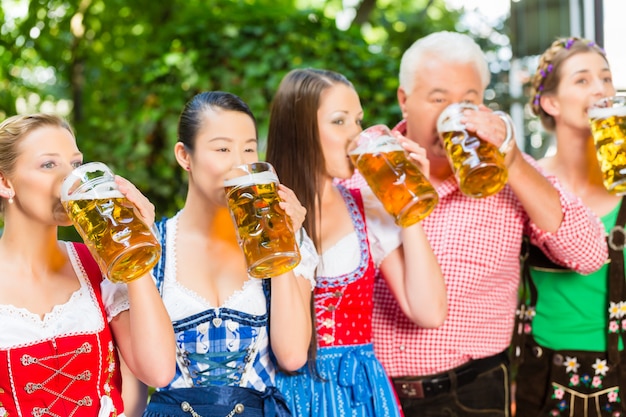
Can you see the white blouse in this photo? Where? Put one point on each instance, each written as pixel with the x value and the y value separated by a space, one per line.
pixel 382 232
pixel 78 315
pixel 182 302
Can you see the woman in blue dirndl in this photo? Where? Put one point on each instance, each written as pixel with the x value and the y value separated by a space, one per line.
pixel 315 117
pixel 230 335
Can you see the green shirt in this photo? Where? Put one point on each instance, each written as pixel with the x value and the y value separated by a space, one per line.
pixel 572 309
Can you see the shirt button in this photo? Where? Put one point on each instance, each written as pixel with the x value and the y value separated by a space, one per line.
pixel 401 348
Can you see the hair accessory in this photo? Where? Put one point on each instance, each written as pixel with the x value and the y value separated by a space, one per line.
pixel 568 44
pixel 592 44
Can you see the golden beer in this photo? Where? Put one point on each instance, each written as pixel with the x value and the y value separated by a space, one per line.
pixel 395 180
pixel 608 126
pixel 264 231
pixel 477 164
pixel 123 245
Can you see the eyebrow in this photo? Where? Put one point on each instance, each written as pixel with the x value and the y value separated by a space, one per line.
pixel 227 139
pixel 59 154
pixel 444 91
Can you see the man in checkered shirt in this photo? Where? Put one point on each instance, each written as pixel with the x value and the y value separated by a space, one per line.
pixel 461 368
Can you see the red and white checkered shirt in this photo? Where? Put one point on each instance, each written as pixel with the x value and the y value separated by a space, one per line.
pixel 477 243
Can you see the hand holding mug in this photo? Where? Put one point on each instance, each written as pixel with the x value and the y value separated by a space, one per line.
pixel 393 177
pixel 415 152
pixel 292 206
pixel 143 207
pixel 478 164
pixel 104 210
pixel 495 127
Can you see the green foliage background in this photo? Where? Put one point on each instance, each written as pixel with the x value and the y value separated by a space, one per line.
pixel 122 70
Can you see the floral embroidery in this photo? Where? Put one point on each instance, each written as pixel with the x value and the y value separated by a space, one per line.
pixel 571 364
pixel 613 326
pixel 586 379
pixel 574 380
pixel 613 396
pixel 596 382
pixel 110 370
pixel 527 328
pixel 601 367
pixel 3 411
pixel 558 393
pixel 615 310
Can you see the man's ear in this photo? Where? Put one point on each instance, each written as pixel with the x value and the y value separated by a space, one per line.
pixel 402 97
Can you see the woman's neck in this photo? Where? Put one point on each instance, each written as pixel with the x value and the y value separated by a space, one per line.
pixel 575 162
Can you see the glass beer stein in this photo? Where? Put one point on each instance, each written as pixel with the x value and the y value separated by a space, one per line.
pixel 264 231
pixel 608 126
pixel 394 179
pixel 477 164
pixel 122 244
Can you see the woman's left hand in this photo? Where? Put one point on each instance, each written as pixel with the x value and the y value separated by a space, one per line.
pixel 415 151
pixel 143 206
pixel 292 206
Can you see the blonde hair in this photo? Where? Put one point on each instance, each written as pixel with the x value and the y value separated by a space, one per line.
pixel 13 129
pixel 546 79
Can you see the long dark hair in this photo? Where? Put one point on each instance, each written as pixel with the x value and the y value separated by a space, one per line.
pixel 293 140
pixel 295 151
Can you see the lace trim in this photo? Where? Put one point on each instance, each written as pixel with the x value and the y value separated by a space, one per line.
pixel 21 313
pixel 359 227
pixel 171 270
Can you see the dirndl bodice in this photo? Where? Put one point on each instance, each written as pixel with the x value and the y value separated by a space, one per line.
pixel 65 375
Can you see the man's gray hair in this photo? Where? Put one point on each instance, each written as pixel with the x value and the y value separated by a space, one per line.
pixel 447 46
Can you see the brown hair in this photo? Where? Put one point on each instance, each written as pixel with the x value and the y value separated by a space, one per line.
pixel 295 151
pixel 13 129
pixel 546 79
pixel 293 140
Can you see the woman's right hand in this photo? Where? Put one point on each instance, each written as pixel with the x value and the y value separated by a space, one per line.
pixel 143 206
pixel 415 151
pixel 292 206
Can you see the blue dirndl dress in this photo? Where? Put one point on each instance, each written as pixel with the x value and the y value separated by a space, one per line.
pixel 350 380
pixel 223 358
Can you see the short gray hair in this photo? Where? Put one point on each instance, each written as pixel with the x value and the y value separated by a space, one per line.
pixel 447 46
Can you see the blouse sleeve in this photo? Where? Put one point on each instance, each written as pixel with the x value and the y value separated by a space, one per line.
pixel 308 257
pixel 114 298
pixel 383 233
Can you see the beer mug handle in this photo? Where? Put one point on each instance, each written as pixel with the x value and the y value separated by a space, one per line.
pixel 510 128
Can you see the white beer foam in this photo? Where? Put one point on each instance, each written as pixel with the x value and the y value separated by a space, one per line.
pixel 107 189
pixel 266 177
pixel 374 146
pixel 103 190
pixel 605 112
pixel 449 119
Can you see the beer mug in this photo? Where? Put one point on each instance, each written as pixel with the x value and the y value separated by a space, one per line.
pixel 122 244
pixel 608 126
pixel 394 179
pixel 264 231
pixel 477 164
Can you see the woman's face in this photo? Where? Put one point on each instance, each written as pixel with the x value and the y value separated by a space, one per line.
pixel 46 156
pixel 339 119
pixel 225 139
pixel 584 79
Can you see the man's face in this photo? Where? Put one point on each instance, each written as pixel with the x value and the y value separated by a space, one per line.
pixel 436 85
